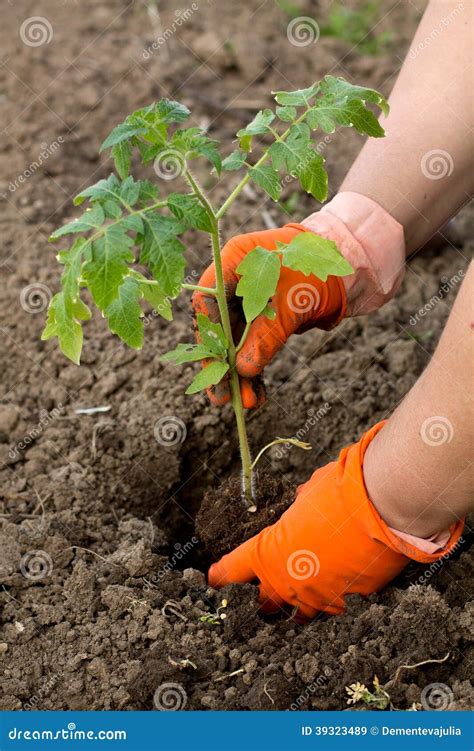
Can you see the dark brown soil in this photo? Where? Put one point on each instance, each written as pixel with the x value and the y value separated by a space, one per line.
pixel 97 530
pixel 223 521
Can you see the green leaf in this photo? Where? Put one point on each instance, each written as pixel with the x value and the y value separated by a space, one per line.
pixel 63 322
pixel 162 252
pixel 313 177
pixel 292 153
pixel 212 336
pixel 259 272
pixel 189 210
pixel 260 124
pixel 129 191
pixel 158 299
pixel 72 260
pixel 125 314
pixel 296 98
pixel 208 376
pixel 269 312
pixel 187 353
pixel 122 156
pixel 234 161
pixel 107 266
pixel 91 219
pixel 268 179
pixel 148 192
pixel 208 148
pixel 343 104
pixel 122 132
pixel 287 114
pixel 312 254
pixel 341 91
pixel 170 111
pixel 101 190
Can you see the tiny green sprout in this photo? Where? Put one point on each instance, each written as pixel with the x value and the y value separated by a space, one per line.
pixel 217 617
pixel 126 248
pixel 377 699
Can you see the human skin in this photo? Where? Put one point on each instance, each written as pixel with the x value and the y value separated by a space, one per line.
pixel 417 487
pixel 430 110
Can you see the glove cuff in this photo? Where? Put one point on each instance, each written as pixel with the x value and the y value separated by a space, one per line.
pixel 376 527
pixel 373 243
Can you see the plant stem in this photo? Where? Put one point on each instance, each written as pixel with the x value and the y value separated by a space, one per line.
pixel 199 288
pixel 236 397
pixel 241 185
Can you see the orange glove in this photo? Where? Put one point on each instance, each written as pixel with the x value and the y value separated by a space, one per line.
pixel 330 543
pixel 301 302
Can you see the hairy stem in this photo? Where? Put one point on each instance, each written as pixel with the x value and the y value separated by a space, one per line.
pixel 241 185
pixel 236 397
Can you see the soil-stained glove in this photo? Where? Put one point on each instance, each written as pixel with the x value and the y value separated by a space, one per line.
pixel 330 543
pixel 300 302
pixel 366 235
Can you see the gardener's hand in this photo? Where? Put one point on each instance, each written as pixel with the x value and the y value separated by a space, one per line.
pixel 330 543
pixel 300 302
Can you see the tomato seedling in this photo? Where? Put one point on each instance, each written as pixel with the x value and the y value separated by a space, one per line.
pixel 128 249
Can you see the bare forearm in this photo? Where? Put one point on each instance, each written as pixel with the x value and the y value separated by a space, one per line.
pixel 421 172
